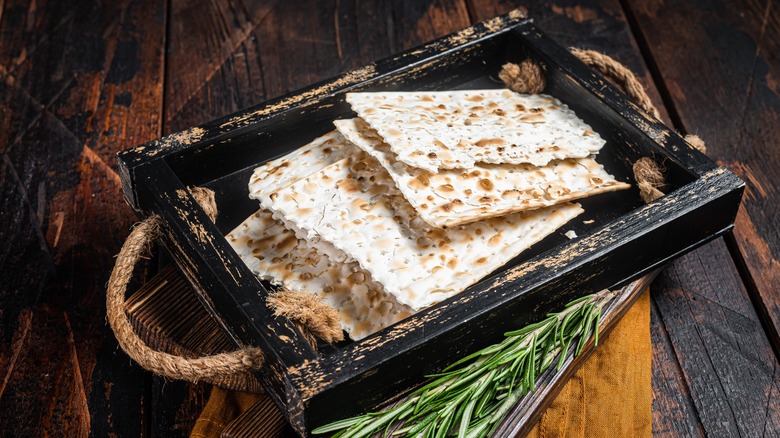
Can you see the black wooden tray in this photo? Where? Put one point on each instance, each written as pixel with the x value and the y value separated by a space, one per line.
pixel 625 239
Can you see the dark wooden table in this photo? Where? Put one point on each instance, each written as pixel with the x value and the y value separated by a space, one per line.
pixel 80 81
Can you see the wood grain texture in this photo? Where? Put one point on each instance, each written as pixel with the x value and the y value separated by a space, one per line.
pixel 674 413
pixel 726 359
pixel 734 105
pixel 228 73
pixel 79 81
pixel 305 42
pixel 271 48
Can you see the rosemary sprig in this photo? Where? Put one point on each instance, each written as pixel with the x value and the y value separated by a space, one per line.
pixel 471 396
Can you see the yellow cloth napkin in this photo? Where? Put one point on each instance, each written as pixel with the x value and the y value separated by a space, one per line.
pixel 610 395
pixel 222 409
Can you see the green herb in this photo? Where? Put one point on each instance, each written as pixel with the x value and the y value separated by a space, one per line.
pixel 471 397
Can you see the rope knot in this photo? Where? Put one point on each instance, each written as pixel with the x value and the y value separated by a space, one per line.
pixel 650 179
pixel 525 78
pixel 697 142
pixel 310 312
pixel 253 358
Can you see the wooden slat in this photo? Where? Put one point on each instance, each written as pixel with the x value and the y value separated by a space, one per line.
pixel 214 65
pixel 168 316
pixel 79 81
pixel 25 265
pixel 726 360
pixel 674 413
pixel 262 420
pixel 175 407
pixel 305 42
pixel 733 102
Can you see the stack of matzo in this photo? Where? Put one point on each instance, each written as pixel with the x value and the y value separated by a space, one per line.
pixel 421 196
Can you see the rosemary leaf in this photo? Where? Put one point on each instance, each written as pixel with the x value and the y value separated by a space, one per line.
pixel 471 396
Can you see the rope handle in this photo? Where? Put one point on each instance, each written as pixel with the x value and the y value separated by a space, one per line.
pixel 621 75
pixel 208 368
pixel 307 311
pixel 629 83
pixel 648 174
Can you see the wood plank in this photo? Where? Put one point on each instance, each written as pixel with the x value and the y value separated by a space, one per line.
pixel 176 406
pixel 369 34
pixel 25 264
pixel 21 31
pixel 733 102
pixel 718 341
pixel 18 111
pixel 674 413
pixel 344 35
pixel 227 75
pixel 286 49
pixel 82 81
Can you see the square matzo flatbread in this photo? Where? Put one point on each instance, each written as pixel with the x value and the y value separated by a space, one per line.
pixel 354 204
pixel 273 253
pixel 457 196
pixel 456 129
pixel 298 164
